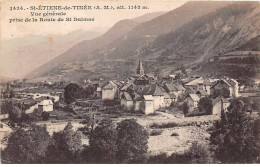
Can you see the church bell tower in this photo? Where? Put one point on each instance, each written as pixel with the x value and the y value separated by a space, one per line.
pixel 140 69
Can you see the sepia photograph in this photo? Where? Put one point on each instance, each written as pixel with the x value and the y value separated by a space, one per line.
pixel 129 82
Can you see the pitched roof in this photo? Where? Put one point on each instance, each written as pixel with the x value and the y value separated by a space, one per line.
pixel 154 90
pixel 126 86
pixel 221 80
pixel 148 97
pixel 166 96
pixel 194 97
pixel 45 102
pixel 195 82
pixel 118 83
pixel 171 87
pixel 127 96
pixel 137 97
pixel 190 88
pixel 109 85
pixel 179 87
pixel 202 92
pixel 172 95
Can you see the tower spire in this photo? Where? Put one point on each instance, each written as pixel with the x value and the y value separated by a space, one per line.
pixel 140 69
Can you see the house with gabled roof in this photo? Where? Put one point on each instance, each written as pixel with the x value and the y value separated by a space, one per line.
pixel 127 100
pixel 201 84
pixel 45 106
pixel 225 82
pixel 110 91
pixel 169 98
pixel 157 93
pixel 202 93
pixel 192 100
pixel 174 88
pixel 148 104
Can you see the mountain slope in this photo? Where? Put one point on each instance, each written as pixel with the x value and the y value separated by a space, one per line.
pixel 188 43
pixel 84 49
pixel 210 35
pixel 140 36
pixel 16 54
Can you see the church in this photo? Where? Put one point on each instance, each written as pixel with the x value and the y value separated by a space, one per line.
pixel 140 78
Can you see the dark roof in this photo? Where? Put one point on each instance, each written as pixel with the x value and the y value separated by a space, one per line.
pixel 172 95
pixel 194 97
pixel 127 96
pixel 202 92
pixel 171 87
pixel 221 80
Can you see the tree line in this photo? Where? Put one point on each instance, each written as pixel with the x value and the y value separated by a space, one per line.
pixel 234 139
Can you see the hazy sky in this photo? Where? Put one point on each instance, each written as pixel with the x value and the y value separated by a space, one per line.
pixel 102 18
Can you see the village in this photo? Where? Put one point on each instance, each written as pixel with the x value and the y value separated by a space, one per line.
pixel 187 107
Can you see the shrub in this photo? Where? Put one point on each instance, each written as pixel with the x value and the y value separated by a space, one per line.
pixel 163 125
pixel 45 116
pixel 15 114
pixel 185 108
pixel 156 132
pixel 200 154
pixel 110 103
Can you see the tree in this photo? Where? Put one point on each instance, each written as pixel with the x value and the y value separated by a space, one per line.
pixel 221 92
pixel 205 105
pixel 102 142
pixel 11 94
pixel 6 106
pixel 45 116
pixel 89 91
pixel 27 146
pixel 235 137
pixel 15 113
pixel 89 122
pixel 72 92
pixel 216 93
pixel 185 108
pixel 131 142
pixel 225 92
pixel 200 154
pixel 65 147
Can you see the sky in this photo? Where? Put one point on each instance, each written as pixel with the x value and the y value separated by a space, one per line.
pixel 103 18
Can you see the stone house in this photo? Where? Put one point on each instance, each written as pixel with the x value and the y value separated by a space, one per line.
pixel 192 100
pixel 157 94
pixel 109 91
pixel 174 88
pixel 127 100
pixel 45 106
pixel 201 84
pixel 148 104
pixel 169 98
pixel 230 84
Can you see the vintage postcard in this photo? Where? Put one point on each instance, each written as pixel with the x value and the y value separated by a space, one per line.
pixel 129 82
